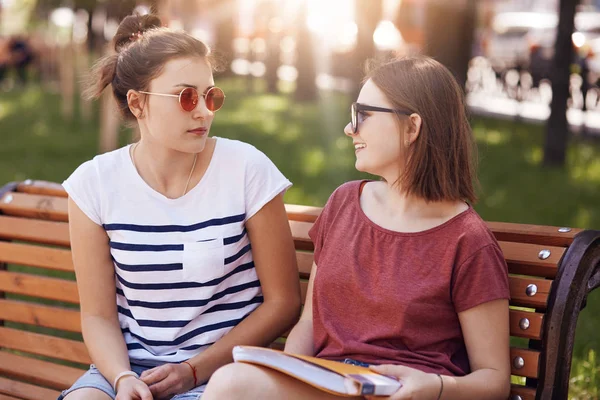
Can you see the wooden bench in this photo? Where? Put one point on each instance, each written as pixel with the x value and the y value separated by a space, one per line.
pixel 41 352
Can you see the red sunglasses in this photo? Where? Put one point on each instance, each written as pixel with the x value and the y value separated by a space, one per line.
pixel 188 98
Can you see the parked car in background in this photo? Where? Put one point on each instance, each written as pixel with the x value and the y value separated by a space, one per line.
pixel 512 35
pixel 525 40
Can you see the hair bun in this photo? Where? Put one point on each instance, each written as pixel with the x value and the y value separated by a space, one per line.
pixel 133 27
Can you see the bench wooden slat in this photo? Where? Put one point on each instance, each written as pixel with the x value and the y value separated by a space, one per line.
pixel 34 206
pixel 305 262
pixel 26 391
pixel 43 373
pixel 44 345
pixel 524 259
pixel 535 234
pixel 36 256
pixel 531 366
pixel 300 234
pixel 526 393
pixel 40 315
pixel 42 187
pixel 39 286
pixel 518 292
pixel 298 212
pixel 533 324
pixel 37 231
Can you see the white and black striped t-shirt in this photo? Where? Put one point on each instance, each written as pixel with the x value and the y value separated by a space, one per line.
pixel 184 269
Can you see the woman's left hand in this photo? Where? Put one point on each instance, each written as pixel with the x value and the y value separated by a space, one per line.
pixel 416 385
pixel 168 380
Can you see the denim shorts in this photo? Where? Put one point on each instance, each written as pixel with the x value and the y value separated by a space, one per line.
pixel 93 379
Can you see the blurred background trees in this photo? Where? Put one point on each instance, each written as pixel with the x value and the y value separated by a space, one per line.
pixel 313 45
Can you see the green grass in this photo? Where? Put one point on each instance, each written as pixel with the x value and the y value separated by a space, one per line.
pixel 516 188
pixel 307 143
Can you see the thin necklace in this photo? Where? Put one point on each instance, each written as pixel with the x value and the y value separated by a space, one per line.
pixel 188 179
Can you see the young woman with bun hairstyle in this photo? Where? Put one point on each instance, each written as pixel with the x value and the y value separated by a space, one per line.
pixel 180 241
pixel 407 278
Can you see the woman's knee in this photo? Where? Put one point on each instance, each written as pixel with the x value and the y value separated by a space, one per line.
pixel 87 394
pixel 232 381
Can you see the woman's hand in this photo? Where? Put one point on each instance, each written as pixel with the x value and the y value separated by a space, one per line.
pixel 168 380
pixel 416 385
pixel 132 388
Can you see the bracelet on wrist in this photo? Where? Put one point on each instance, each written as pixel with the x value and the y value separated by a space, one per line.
pixel 193 372
pixel 441 387
pixel 121 375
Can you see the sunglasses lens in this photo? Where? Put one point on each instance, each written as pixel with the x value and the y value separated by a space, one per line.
pixel 214 98
pixel 188 98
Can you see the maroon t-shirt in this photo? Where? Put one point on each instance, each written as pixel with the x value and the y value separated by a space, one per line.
pixel 388 297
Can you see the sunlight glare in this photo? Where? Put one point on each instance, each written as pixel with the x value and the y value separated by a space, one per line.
pixel 387 36
pixel 578 39
pixel 62 17
pixel 240 66
pixel 287 73
pixel 258 69
pixel 241 45
pixel 333 20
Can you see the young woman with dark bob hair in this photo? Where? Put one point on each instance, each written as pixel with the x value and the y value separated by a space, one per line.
pixel 407 278
pixel 180 242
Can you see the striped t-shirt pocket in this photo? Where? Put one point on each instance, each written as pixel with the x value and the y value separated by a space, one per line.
pixel 203 261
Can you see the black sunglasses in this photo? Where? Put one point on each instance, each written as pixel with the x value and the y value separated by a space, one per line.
pixel 357 108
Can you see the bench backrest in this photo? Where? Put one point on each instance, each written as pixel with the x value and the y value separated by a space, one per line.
pixel 551 271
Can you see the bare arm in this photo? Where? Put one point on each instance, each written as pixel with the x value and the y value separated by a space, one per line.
pixel 275 260
pixel 95 273
pixel 300 340
pixel 486 333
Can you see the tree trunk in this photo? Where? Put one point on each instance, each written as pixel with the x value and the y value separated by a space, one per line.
pixel 67 80
pixel 368 15
pixel 449 32
pixel 272 62
pixel 557 126
pixel 273 39
pixel 224 35
pixel 306 87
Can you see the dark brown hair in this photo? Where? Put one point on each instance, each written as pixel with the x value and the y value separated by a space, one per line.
pixel 142 49
pixel 441 163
